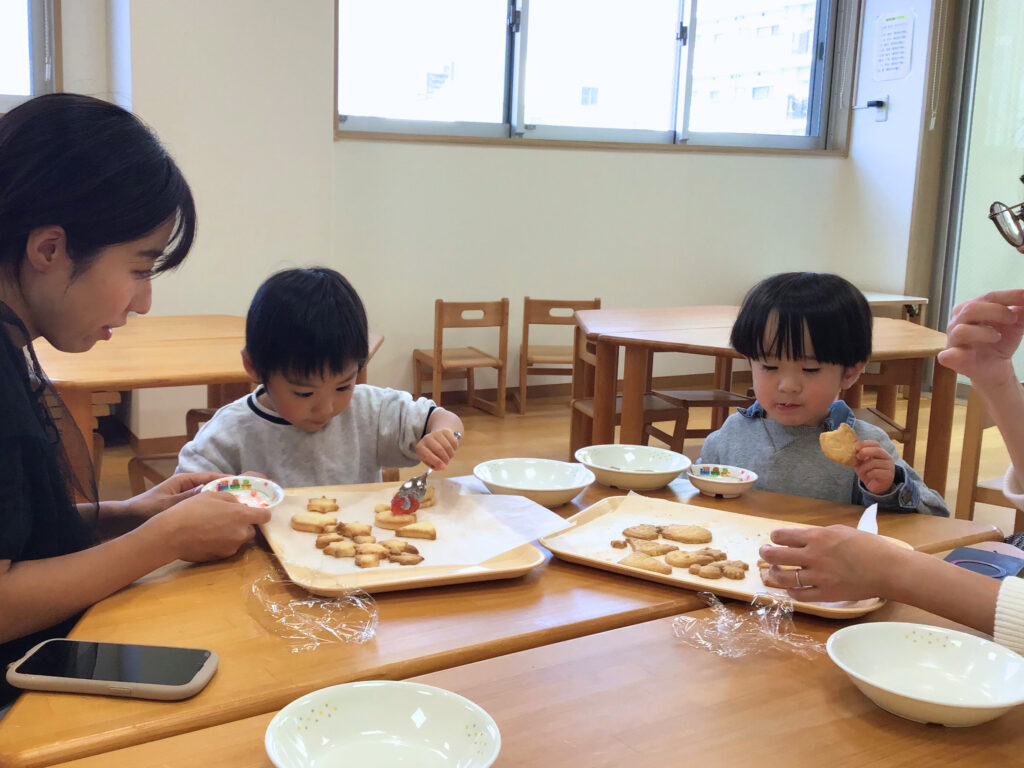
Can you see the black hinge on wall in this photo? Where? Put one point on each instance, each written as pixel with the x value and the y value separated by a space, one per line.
pixel 682 34
pixel 514 17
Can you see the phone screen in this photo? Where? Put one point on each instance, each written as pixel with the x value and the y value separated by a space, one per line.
pixel 154 664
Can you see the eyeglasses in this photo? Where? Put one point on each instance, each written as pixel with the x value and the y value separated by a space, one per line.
pixel 1007 221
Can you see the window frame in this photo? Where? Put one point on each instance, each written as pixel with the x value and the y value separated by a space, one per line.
pixel 44 47
pixel 832 76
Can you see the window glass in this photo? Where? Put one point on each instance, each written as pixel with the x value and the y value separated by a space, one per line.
pixel 15 61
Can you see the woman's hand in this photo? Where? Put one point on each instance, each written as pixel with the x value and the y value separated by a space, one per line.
pixel 437 448
pixel 875 467
pixel 982 336
pixel 207 526
pixel 836 563
pixel 171 491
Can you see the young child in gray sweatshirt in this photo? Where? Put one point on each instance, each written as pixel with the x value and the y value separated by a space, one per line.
pixel 807 336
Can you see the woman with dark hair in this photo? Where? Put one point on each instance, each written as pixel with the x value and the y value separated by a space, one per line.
pixel 91 208
pixel 840 563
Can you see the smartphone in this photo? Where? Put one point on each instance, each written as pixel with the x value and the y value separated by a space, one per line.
pixel 114 669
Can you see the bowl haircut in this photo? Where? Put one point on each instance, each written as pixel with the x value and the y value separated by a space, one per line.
pixel 779 311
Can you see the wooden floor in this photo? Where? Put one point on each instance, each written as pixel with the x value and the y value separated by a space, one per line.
pixel 543 432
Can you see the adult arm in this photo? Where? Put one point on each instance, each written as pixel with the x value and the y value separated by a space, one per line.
pixel 35 594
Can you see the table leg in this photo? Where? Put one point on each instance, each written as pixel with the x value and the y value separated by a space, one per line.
pixel 222 394
pixel 940 429
pixel 634 385
pixel 605 376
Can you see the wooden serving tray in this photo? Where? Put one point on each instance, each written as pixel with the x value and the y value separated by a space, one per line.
pixel 307 566
pixel 588 542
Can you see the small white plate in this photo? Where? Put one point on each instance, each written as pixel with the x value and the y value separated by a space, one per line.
pixel 929 674
pixel 383 724
pixel 251 491
pixel 721 480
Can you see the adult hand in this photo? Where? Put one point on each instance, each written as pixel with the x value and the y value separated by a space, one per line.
pixel 437 448
pixel 836 563
pixel 174 489
pixel 208 526
pixel 875 467
pixel 982 336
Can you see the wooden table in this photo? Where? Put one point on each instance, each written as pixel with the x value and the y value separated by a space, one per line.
pixel 420 631
pixel 911 307
pixel 638 696
pixel 705 331
pixel 170 351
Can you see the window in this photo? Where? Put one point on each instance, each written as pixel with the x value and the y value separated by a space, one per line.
pixel 663 71
pixel 27 63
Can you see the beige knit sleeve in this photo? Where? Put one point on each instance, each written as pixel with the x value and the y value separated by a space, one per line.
pixel 1009 623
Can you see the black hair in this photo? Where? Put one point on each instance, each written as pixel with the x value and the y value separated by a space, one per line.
pixel 94 169
pixel 305 323
pixel 834 312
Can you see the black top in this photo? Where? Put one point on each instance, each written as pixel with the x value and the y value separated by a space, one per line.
pixel 37 517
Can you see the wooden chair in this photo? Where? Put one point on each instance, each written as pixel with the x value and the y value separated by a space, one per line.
pixel 969 489
pixel 892 373
pixel 545 359
pixel 440 363
pixel 685 399
pixel 157 467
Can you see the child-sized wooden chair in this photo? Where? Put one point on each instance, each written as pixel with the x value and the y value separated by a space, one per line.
pixel 545 359
pixel 969 490
pixel 440 363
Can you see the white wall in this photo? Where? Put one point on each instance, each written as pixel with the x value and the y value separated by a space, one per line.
pixel 241 91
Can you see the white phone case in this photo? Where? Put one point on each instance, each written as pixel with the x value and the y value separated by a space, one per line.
pixel 111 687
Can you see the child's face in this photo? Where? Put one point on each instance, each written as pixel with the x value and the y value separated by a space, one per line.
pixel 310 403
pixel 800 392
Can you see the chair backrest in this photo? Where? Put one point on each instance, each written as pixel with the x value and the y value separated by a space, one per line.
pixel 541 312
pixel 969 489
pixel 471 314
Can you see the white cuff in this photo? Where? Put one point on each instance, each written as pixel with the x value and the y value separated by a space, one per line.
pixel 1012 488
pixel 1009 621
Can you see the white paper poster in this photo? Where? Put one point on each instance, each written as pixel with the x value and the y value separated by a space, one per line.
pixel 894 36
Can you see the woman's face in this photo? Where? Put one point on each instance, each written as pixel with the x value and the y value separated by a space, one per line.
pixel 74 312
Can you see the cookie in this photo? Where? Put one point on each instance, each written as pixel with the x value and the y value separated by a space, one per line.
pixel 421 530
pixel 407 558
pixel 429 497
pixel 314 522
pixel 706 571
pixel 364 539
pixel 355 529
pixel 687 534
pixel 652 548
pixel 385 518
pixel 328 538
pixel 371 549
pixel 648 563
pixel 399 547
pixel 686 558
pixel 649 532
pixel 367 561
pixel 840 445
pixel 731 569
pixel 322 504
pixel 619 543
pixel 340 549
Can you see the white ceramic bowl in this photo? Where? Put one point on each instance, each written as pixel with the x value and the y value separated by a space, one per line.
pixel 548 482
pixel 382 723
pixel 721 480
pixel 253 491
pixel 930 674
pixel 633 467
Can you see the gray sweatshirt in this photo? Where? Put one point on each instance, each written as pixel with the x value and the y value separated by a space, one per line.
pixel 380 428
pixel 789 460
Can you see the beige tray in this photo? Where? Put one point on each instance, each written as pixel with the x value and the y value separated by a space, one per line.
pixel 588 541
pixel 300 564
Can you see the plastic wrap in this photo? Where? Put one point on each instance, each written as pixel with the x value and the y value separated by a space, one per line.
pixel 732 631
pixel 306 621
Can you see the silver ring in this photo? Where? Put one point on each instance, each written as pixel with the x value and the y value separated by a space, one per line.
pixel 458 435
pixel 798 582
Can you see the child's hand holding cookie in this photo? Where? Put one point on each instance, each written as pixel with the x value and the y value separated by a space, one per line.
pixel 875 467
